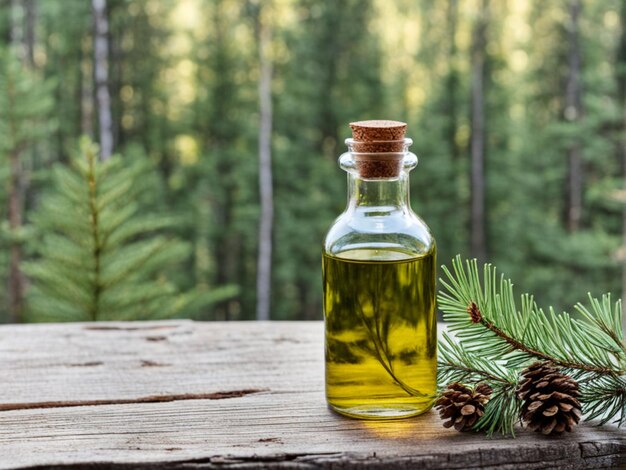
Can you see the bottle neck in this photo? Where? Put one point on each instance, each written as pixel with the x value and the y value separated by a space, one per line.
pixel 378 182
pixel 379 195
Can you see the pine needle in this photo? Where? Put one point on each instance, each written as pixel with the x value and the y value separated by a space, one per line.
pixel 496 337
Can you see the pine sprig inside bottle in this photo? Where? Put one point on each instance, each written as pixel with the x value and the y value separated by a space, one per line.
pixel 543 367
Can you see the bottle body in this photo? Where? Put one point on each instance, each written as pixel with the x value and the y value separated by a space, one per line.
pixel 379 275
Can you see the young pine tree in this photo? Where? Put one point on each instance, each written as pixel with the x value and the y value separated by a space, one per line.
pixel 101 258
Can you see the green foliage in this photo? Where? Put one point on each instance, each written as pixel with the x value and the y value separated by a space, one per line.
pixel 458 364
pixel 605 398
pixel 519 334
pixel 330 76
pixel 101 257
pixel 217 191
pixel 183 83
pixel 25 102
pixel 528 237
pixel 499 336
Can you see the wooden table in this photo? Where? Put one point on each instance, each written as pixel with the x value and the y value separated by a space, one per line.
pixel 224 395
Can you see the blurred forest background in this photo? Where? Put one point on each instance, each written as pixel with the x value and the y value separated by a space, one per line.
pixel 219 123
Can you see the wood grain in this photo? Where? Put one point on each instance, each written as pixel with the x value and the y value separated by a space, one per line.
pixel 224 395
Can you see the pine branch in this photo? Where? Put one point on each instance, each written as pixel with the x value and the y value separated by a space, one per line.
pixel 486 317
pixel 605 398
pixel 477 317
pixel 609 319
pixel 493 332
pixel 380 350
pixel 501 412
pixel 455 364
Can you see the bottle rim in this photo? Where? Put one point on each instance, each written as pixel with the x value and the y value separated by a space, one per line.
pixel 379 148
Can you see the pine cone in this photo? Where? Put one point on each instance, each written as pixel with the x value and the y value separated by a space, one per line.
pixel 550 404
pixel 462 405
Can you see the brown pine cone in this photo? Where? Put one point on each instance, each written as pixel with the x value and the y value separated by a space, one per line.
pixel 462 406
pixel 550 404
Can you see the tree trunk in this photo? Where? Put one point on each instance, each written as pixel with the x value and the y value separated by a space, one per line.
pixel 21 11
pixel 452 80
pixel 101 74
pixel 264 266
pixel 221 131
pixel 621 90
pixel 15 279
pixel 22 30
pixel 479 45
pixel 29 32
pixel 327 124
pixel 573 113
pixel 85 89
pixel 16 22
pixel 28 60
pixel 5 26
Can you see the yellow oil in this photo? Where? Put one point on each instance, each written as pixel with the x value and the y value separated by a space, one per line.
pixel 381 333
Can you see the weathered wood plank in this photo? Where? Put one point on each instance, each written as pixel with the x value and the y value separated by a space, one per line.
pixel 59 363
pixel 224 395
pixel 275 428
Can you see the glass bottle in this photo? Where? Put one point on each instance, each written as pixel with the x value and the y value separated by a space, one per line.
pixel 379 262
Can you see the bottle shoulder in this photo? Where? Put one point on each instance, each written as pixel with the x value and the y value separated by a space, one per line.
pixel 395 230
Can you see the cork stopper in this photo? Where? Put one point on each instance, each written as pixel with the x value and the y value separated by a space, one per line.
pixel 377 130
pixel 378 147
